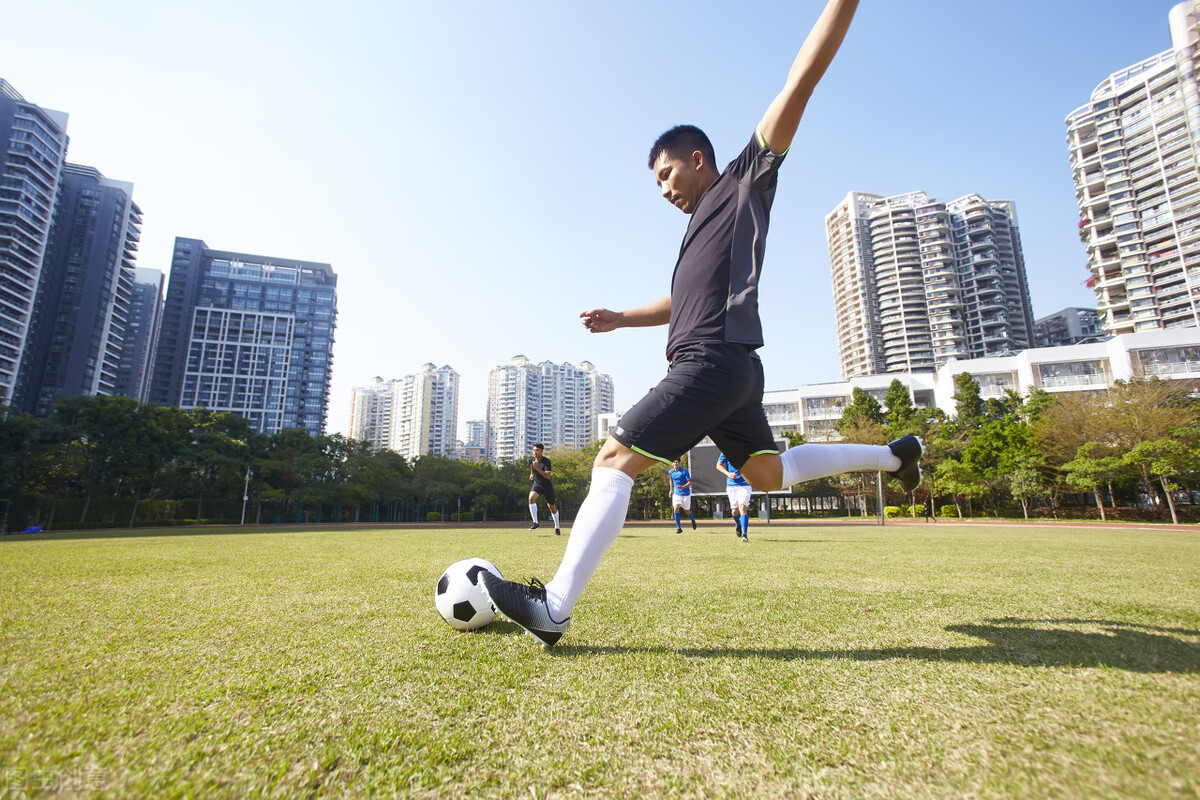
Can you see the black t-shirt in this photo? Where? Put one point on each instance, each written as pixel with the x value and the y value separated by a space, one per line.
pixel 714 291
pixel 538 478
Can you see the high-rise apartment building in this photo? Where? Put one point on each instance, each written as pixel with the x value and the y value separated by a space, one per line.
pixel 917 282
pixel 413 415
pixel 1066 327
pixel 248 334
pixel 78 328
pixel 141 334
pixel 35 151
pixel 556 404
pixel 1133 150
pixel 476 432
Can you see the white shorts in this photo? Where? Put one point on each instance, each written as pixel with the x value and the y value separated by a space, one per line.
pixel 683 501
pixel 739 496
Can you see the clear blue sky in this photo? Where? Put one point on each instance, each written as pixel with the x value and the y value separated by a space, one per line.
pixel 475 172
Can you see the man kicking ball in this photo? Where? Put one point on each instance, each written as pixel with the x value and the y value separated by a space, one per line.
pixel 714 384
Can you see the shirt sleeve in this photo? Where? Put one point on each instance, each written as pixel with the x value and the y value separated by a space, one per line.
pixel 756 165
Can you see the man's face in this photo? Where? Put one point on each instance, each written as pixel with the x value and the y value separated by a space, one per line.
pixel 675 463
pixel 537 453
pixel 683 181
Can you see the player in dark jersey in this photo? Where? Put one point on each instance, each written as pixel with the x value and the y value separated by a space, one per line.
pixel 543 486
pixel 681 493
pixel 714 383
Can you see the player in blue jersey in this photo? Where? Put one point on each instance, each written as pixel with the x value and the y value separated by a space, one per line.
pixel 738 489
pixel 681 493
pixel 714 381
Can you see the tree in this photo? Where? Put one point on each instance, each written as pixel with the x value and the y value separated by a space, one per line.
pixel 901 413
pixel 1145 411
pixel 968 402
pixel 218 445
pixel 1093 466
pixel 961 481
pixel 863 413
pixel 1027 481
pixel 861 423
pixel 1165 459
pixel 1063 424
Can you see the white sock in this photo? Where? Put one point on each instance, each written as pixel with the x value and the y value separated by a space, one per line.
pixel 596 526
pixel 533 512
pixel 554 517
pixel 808 461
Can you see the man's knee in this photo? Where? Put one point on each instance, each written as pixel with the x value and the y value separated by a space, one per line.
pixel 764 472
pixel 614 455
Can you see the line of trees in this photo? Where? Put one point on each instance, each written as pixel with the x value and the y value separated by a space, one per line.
pixel 101 461
pixel 1132 451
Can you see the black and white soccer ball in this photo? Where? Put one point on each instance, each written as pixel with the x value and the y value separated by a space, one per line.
pixel 459 597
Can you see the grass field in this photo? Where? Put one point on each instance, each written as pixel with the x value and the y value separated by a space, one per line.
pixel 829 660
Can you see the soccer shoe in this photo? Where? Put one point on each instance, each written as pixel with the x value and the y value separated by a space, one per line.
pixel 558 532
pixel 693 524
pixel 679 530
pixel 534 526
pixel 524 605
pixel 745 538
pixel 908 449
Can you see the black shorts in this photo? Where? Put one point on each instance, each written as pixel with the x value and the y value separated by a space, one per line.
pixel 711 389
pixel 546 490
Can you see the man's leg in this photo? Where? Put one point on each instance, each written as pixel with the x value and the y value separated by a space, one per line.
pixel 544 611
pixel 533 498
pixel 554 516
pixel 678 527
pixel 597 524
pixel 770 472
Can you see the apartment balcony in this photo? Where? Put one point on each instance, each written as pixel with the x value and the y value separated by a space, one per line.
pixel 1075 381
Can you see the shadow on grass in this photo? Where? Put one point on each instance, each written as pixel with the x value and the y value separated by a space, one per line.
pixel 1022 642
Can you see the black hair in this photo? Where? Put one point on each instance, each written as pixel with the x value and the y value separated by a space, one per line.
pixel 680 142
pixel 539 446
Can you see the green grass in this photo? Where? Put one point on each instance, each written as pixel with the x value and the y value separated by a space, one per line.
pixel 830 660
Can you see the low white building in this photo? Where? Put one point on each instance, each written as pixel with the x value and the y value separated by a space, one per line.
pixel 814 410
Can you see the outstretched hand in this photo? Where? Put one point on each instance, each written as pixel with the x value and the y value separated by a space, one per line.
pixel 600 320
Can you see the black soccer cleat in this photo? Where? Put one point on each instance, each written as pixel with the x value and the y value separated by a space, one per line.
pixel 525 605
pixel 534 526
pixel 557 532
pixel 679 530
pixel 908 449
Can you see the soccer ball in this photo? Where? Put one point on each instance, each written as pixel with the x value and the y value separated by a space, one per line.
pixel 459 597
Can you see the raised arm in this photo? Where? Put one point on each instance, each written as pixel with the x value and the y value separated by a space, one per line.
pixel 779 124
pixel 601 320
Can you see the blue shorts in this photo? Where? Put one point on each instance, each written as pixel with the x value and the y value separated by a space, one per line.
pixel 711 389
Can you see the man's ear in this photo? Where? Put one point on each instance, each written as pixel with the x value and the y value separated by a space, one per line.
pixel 698 161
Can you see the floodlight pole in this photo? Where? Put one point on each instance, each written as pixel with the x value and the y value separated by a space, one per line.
pixel 245 494
pixel 879 495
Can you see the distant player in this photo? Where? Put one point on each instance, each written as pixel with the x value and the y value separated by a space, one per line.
pixel 739 491
pixel 681 493
pixel 714 381
pixel 539 473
